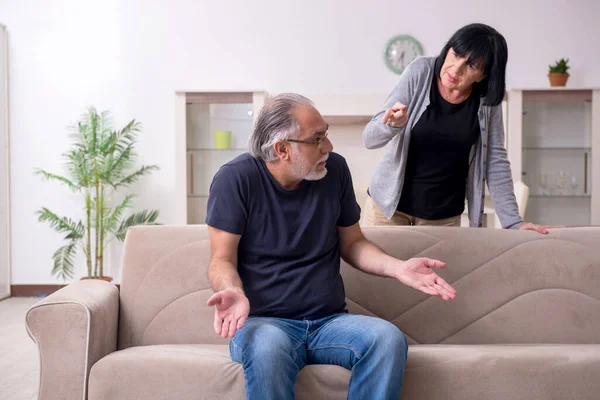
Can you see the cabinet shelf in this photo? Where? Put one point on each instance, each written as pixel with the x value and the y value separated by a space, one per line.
pixel 557 94
pixel 560 196
pixel 556 148
pixel 213 149
pixel 347 119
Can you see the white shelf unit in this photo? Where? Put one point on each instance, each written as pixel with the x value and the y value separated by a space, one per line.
pixel 554 148
pixel 198 116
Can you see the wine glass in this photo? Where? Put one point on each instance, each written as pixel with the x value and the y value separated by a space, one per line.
pixel 543 183
pixel 561 182
pixel 574 184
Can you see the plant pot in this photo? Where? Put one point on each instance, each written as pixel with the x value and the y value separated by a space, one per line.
pixel 103 278
pixel 558 79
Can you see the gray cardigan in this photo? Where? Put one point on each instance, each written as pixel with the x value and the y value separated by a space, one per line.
pixel 487 161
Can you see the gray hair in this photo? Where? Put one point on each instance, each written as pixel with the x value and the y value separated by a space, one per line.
pixel 275 122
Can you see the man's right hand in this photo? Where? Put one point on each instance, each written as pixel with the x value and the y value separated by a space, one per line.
pixel 396 115
pixel 231 311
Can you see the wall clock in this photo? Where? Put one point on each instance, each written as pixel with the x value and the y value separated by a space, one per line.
pixel 400 51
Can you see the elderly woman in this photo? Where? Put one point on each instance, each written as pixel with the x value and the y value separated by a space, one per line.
pixel 442 125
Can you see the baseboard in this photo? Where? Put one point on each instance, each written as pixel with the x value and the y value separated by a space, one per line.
pixel 35 290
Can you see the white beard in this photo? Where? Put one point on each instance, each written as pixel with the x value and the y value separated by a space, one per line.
pixel 302 170
pixel 314 175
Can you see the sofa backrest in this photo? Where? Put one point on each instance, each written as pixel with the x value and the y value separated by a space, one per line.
pixel 513 286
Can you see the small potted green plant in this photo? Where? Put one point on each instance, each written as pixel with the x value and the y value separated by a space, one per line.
pixel 558 72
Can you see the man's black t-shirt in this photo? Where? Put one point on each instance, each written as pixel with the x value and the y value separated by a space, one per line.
pixel 288 255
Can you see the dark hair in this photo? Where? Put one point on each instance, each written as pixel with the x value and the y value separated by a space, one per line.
pixel 481 44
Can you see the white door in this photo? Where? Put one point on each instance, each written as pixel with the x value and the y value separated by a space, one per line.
pixel 4 171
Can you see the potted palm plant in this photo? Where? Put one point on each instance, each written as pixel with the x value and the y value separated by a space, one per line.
pixel 558 72
pixel 98 163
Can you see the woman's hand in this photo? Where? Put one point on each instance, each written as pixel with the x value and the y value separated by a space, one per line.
pixel 396 116
pixel 543 229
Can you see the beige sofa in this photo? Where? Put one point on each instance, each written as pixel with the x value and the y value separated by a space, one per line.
pixel 524 325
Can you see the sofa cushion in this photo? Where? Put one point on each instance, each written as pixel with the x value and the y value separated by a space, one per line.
pixel 195 372
pixel 502 372
pixel 433 372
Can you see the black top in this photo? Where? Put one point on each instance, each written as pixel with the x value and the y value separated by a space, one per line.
pixel 438 158
pixel 289 254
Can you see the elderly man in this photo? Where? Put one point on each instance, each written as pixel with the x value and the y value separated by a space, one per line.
pixel 279 219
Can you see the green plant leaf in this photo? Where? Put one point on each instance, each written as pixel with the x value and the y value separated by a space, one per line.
pixel 117 164
pixel 77 165
pixel 49 176
pixel 74 230
pixel 115 216
pixel 144 170
pixel 560 66
pixel 64 259
pixel 145 217
pixel 119 140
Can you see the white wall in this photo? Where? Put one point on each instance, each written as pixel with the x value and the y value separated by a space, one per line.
pixel 130 56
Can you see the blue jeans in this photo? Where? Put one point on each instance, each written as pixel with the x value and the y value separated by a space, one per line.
pixel 273 350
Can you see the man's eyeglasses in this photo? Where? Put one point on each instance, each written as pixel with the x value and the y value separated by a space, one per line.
pixel 314 141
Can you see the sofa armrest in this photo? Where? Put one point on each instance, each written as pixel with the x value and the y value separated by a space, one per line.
pixel 73 328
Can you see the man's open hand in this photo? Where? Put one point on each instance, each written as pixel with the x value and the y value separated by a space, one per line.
pixel 231 311
pixel 418 274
